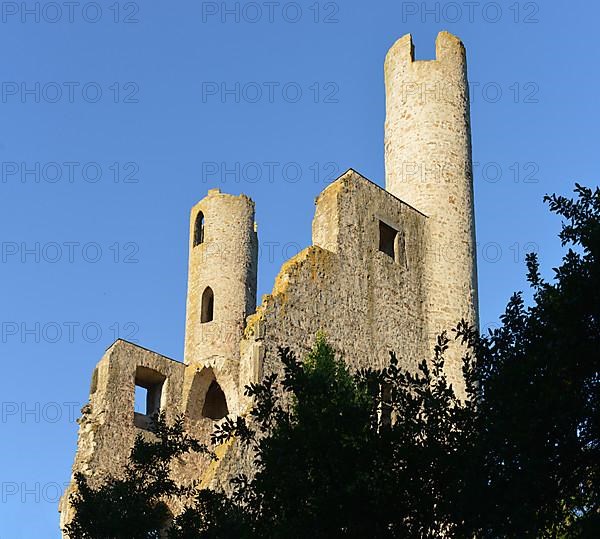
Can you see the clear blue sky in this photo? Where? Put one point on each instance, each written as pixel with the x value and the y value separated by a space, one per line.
pixel 86 260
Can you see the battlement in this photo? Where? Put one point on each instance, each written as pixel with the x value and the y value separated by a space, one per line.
pixel 448 48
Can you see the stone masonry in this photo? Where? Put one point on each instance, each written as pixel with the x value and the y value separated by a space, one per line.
pixel 387 270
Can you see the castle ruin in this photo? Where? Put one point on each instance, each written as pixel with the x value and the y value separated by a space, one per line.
pixel 389 269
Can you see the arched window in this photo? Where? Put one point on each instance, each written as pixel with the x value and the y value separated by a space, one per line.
pixel 199 229
pixel 208 305
pixel 215 403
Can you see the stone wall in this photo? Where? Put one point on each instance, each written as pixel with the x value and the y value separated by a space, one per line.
pixel 366 302
pixel 107 426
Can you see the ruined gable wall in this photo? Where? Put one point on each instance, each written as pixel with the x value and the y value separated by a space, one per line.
pixel 107 427
pixel 365 302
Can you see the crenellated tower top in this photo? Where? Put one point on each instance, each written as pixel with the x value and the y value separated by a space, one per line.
pixel 428 165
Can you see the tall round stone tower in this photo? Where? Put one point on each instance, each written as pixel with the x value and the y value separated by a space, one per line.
pixel 221 277
pixel 428 165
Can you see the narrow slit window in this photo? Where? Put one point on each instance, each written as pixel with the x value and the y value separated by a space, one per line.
pixel 199 229
pixel 208 305
pixel 387 239
pixel 385 406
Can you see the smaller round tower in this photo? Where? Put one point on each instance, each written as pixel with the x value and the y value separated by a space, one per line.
pixel 221 277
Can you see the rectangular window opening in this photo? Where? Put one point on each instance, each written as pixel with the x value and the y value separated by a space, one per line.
pixel 141 394
pixel 148 395
pixel 387 239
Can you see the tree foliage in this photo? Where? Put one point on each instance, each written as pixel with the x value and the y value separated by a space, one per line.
pixel 538 407
pixel 132 506
pixel 375 453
